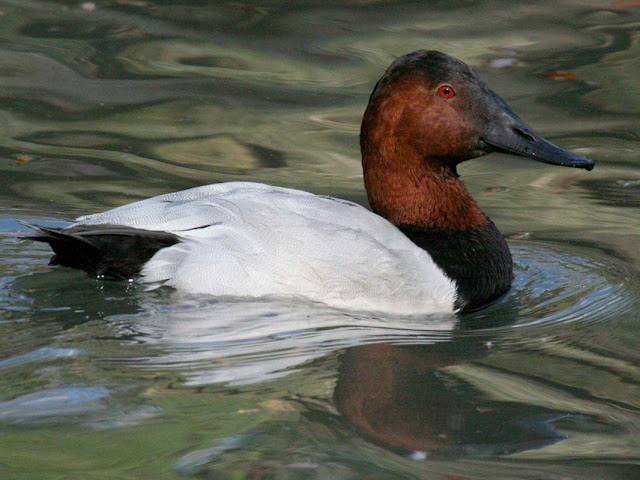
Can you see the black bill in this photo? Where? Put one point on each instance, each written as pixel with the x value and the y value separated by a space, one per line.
pixel 509 133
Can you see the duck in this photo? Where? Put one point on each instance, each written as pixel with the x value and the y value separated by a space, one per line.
pixel 425 247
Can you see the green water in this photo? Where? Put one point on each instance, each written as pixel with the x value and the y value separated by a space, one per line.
pixel 106 102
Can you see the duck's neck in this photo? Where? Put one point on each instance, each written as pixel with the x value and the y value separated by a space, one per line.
pixel 412 195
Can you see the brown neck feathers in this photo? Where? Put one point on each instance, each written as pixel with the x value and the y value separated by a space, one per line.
pixel 422 199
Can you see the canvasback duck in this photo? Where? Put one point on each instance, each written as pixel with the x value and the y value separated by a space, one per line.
pixel 426 248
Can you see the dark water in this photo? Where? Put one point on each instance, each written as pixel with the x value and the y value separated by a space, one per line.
pixel 106 102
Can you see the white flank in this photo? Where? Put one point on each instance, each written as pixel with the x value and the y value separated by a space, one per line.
pixel 255 240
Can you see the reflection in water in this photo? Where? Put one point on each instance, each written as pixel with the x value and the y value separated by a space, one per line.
pixel 403 398
pixel 243 342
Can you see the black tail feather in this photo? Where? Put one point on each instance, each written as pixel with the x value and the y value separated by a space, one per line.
pixel 111 251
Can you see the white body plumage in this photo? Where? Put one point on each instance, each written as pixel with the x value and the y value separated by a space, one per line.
pixel 250 239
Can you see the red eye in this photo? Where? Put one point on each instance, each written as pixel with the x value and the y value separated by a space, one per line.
pixel 446 91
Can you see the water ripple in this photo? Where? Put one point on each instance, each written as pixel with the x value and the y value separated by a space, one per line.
pixel 53 403
pixel 40 355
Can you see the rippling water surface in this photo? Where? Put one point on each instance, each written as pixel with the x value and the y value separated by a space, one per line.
pixel 107 102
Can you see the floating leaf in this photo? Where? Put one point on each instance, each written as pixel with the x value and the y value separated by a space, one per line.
pixel 561 75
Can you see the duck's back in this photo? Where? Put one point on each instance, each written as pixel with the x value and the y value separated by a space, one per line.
pixel 248 239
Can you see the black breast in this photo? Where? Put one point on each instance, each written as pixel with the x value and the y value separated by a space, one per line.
pixel 478 260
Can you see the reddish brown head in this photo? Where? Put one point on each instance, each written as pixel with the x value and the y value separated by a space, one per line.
pixel 426 114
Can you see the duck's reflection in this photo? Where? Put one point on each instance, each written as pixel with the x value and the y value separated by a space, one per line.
pixel 403 398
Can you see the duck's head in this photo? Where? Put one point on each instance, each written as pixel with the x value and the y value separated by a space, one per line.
pixel 428 113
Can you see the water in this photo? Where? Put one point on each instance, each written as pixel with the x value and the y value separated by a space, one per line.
pixel 103 103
